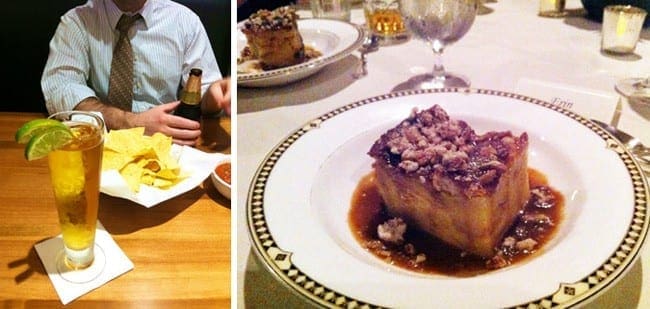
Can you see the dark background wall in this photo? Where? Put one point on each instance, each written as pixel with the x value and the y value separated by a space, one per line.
pixel 251 6
pixel 28 26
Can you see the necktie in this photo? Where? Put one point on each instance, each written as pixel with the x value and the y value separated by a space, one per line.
pixel 120 82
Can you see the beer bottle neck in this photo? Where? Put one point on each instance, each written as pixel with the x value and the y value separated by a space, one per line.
pixel 192 93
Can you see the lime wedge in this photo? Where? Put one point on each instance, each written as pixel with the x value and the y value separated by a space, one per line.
pixel 35 127
pixel 44 142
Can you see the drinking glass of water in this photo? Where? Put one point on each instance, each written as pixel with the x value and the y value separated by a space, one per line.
pixel 439 23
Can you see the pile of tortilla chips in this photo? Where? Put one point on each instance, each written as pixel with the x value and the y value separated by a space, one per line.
pixel 141 159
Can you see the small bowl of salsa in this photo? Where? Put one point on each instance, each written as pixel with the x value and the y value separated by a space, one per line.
pixel 221 177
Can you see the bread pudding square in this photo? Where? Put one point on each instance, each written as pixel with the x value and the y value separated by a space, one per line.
pixel 442 177
pixel 273 38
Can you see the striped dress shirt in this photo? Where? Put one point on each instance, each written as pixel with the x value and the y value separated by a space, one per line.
pixel 167 42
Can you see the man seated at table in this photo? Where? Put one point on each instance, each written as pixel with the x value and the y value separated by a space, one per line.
pixel 134 80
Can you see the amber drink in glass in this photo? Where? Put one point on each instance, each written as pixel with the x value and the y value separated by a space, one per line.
pixel 75 172
pixel 384 19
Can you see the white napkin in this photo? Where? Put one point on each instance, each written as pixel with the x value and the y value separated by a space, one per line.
pixel 589 103
pixel 196 163
pixel 110 262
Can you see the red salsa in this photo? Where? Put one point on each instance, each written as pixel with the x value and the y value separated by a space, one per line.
pixel 223 171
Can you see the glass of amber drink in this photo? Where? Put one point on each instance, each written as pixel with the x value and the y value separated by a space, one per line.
pixel 75 172
pixel 384 20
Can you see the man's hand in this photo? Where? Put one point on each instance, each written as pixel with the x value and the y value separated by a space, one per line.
pixel 158 119
pixel 217 97
pixel 161 119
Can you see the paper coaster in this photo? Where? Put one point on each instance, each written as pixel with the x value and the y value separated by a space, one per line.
pixel 110 262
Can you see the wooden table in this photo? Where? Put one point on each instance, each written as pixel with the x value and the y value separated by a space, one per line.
pixel 180 248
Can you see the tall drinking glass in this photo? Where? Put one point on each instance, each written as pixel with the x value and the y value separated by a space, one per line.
pixel 439 23
pixel 75 172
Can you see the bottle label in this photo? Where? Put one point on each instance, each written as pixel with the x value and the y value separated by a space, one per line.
pixel 191 98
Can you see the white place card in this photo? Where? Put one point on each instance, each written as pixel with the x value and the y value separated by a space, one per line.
pixel 110 262
pixel 589 103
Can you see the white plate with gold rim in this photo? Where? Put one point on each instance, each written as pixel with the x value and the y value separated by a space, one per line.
pixel 333 38
pixel 299 200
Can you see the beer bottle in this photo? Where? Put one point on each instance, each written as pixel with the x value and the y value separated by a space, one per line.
pixel 190 106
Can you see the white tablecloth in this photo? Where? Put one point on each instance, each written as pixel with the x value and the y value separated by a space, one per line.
pixel 504 46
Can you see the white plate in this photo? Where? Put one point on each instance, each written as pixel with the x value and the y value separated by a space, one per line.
pixel 297 208
pixel 196 163
pixel 333 38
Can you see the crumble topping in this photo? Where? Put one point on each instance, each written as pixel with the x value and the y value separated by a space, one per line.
pixel 431 146
pixel 391 242
pixel 264 20
pixel 392 231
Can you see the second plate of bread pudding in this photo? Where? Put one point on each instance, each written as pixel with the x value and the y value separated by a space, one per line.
pixel 276 51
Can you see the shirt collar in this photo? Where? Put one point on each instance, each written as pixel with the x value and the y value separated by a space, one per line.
pixel 114 12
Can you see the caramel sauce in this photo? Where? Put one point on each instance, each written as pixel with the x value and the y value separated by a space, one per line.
pixel 247 54
pixel 367 212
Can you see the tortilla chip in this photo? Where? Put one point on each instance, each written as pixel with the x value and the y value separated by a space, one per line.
pixel 124 141
pixel 114 161
pixel 141 159
pixel 132 174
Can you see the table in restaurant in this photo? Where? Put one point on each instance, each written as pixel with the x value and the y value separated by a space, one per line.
pixel 508 43
pixel 180 248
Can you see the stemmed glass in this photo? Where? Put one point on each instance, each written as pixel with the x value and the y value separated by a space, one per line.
pixel 635 88
pixel 439 23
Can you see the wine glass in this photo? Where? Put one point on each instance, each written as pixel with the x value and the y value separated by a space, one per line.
pixel 438 23
pixel 635 88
